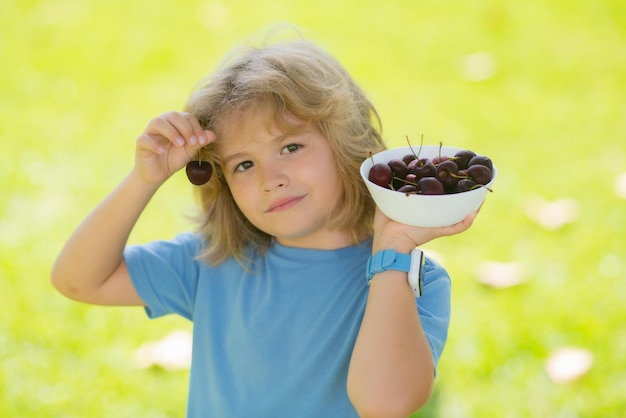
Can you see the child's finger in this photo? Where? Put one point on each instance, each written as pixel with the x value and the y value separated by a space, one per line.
pixel 165 126
pixel 188 127
pixel 146 142
pixel 198 132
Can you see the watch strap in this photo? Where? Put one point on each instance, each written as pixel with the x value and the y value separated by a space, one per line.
pixel 391 260
pixel 387 260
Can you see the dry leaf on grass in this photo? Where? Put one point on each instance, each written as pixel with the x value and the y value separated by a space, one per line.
pixel 552 215
pixel 173 352
pixel 566 364
pixel 620 186
pixel 500 275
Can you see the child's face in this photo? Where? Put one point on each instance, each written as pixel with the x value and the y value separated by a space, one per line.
pixel 286 185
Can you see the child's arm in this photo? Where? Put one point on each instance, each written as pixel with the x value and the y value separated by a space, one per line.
pixel 90 268
pixel 391 369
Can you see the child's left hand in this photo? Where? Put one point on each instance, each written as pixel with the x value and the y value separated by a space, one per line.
pixel 389 234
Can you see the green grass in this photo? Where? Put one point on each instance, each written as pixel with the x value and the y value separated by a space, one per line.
pixel 79 81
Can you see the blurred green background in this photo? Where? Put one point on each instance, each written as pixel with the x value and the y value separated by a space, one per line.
pixel 538 86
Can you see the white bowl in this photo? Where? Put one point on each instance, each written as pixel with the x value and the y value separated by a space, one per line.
pixel 423 210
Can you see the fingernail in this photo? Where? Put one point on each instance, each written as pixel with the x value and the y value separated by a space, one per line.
pixel 193 140
pixel 180 141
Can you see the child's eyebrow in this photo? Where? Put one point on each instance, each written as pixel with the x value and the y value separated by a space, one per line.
pixel 238 155
pixel 230 158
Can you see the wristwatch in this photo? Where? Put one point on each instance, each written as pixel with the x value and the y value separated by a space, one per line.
pixel 391 260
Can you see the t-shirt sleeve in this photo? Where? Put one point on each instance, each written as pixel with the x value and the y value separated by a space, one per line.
pixel 434 307
pixel 165 274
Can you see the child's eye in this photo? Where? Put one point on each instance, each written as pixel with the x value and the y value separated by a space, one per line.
pixel 243 166
pixel 288 149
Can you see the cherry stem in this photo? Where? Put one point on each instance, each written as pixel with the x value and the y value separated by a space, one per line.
pixel 417 156
pixel 405 181
pixel 478 186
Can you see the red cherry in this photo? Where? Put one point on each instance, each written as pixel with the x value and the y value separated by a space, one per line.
pixel 199 172
pixel 408 189
pixel 380 174
pixel 423 168
pixel 439 159
pixel 430 185
pixel 482 160
pixel 479 173
pixel 447 174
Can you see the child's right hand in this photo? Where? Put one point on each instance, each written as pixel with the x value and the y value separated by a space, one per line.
pixel 167 144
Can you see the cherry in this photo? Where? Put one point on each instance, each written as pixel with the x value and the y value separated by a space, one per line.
pixel 199 172
pixel 411 178
pixel 465 185
pixel 423 168
pixel 408 158
pixel 479 173
pixel 463 157
pixel 398 167
pixel 399 170
pixel 447 174
pixel 430 185
pixel 380 174
pixel 408 189
pixel 482 160
pixel 439 159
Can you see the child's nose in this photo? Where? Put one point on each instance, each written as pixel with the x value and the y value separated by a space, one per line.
pixel 273 177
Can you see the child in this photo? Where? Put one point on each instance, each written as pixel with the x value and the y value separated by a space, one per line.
pixel 274 280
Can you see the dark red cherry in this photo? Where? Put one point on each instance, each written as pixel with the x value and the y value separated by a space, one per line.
pixel 199 172
pixel 430 185
pixel 465 185
pixel 423 168
pixel 399 171
pixel 380 174
pixel 479 173
pixel 439 159
pixel 463 157
pixel 408 158
pixel 482 160
pixel 411 178
pixel 408 189
pixel 447 173
pixel 398 167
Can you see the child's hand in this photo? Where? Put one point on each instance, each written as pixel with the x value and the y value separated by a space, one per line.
pixel 167 144
pixel 404 238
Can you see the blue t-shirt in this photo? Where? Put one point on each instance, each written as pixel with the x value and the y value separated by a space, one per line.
pixel 274 341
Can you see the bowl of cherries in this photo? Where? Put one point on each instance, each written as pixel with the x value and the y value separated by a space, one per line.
pixel 429 185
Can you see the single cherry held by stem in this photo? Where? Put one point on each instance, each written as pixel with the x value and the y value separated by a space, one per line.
pixel 199 172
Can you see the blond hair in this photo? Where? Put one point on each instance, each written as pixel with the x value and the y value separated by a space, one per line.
pixel 297 78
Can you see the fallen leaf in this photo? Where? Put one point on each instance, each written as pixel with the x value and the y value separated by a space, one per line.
pixel 173 352
pixel 501 274
pixel 552 215
pixel 566 364
pixel 479 66
pixel 619 186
